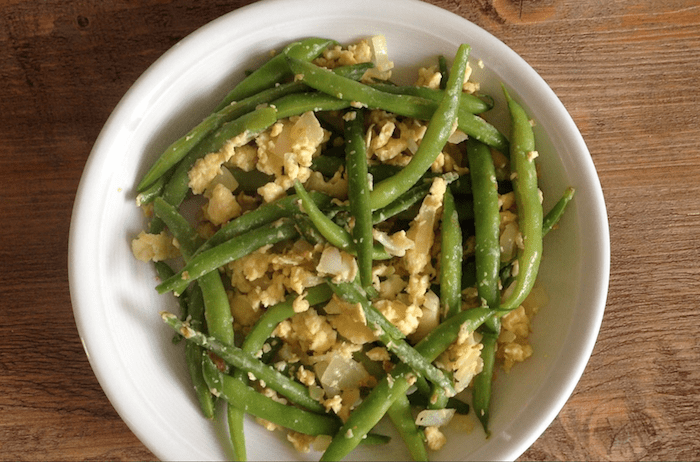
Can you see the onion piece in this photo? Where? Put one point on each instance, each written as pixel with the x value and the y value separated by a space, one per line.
pixel 434 417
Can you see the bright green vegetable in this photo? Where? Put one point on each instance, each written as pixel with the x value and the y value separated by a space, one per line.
pixel 290 389
pixel 359 193
pixel 216 257
pixel 439 130
pixel 527 198
pixel 450 258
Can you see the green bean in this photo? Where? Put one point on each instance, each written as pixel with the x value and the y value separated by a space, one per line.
pixel 410 198
pixel 275 69
pixel 250 124
pixel 300 103
pixel 481 391
pixel 216 257
pixel 419 399
pixel 439 130
pixel 552 218
pixel 401 104
pixel 450 258
pixel 267 323
pixel 263 215
pixel 400 414
pixel 402 203
pixel 217 309
pixel 228 123
pixel 358 195
pixel 442 65
pixel 207 300
pixel 327 165
pixel 294 391
pixel 334 234
pixel 391 336
pixel 487 221
pixel 245 398
pixel 151 192
pixel 527 199
pixel 235 418
pixel 469 103
pixel 396 384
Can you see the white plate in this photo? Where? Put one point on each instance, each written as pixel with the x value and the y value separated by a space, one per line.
pixel 115 304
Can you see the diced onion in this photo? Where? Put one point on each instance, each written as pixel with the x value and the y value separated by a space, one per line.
pixel 434 417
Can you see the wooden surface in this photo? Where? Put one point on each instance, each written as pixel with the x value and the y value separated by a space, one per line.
pixel 629 73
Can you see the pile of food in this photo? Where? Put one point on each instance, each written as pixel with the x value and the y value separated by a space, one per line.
pixel 361 249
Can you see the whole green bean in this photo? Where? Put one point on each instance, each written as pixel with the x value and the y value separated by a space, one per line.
pixel 275 69
pixel 400 414
pixel 216 257
pixel 358 195
pixel 376 404
pixel 553 216
pixel 451 252
pixel 401 104
pixel 439 130
pixel 527 199
pixel 290 389
pixel 245 398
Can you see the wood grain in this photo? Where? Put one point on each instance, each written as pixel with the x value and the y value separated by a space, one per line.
pixel 628 73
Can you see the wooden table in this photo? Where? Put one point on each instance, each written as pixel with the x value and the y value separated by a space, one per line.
pixel 629 73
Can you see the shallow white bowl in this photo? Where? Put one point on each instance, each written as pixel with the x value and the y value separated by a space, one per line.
pixel 115 304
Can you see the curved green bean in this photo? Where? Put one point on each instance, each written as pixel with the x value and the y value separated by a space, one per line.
pixel 527 199
pixel 470 103
pixel 439 130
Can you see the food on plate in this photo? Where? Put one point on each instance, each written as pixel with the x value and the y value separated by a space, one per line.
pixel 361 249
